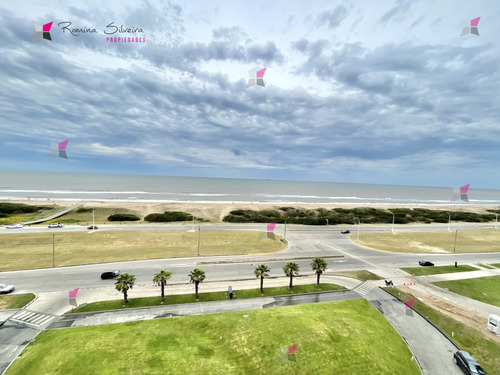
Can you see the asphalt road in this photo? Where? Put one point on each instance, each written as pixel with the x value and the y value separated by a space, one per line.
pixel 307 242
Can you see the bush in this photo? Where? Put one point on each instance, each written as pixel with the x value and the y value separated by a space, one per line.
pixel 168 216
pixel 14 208
pixel 123 217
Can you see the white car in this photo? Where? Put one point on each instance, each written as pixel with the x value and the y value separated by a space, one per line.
pixel 56 225
pixel 14 226
pixel 6 288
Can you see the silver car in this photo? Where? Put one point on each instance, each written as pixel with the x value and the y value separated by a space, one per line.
pixel 14 226
pixel 6 288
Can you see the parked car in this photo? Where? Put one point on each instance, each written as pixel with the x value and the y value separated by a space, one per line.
pixel 467 363
pixel 6 288
pixel 55 225
pixel 92 227
pixel 425 263
pixel 14 226
pixel 345 231
pixel 110 274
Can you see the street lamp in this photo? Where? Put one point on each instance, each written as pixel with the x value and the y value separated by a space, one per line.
pixel 199 235
pixel 359 223
pixel 449 221
pixel 496 221
pixel 53 251
pixel 284 234
pixel 393 222
pixel 326 222
pixel 455 247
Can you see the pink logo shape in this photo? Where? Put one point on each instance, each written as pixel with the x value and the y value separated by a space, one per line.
pixel 73 293
pixel 260 73
pixel 270 227
pixel 475 22
pixel 256 77
pixel 47 26
pixel 42 31
pixel 291 349
pixel 464 189
pixel 59 149
pixel 409 304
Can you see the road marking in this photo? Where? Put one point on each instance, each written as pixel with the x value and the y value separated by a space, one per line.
pixel 33 318
pixel 365 288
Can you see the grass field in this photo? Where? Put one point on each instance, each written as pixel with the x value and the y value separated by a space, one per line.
pixel 361 274
pixel 468 241
pixel 484 289
pixel 22 251
pixel 205 297
pixel 436 270
pixel 344 337
pixel 469 339
pixel 15 301
pixel 497 265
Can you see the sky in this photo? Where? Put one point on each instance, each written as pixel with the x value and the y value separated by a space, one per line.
pixel 383 92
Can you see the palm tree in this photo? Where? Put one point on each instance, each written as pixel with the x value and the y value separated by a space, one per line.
pixel 262 271
pixel 318 265
pixel 291 269
pixel 124 282
pixel 197 276
pixel 161 280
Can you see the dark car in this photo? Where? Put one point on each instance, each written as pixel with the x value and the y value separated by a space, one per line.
pixel 92 227
pixel 425 263
pixel 110 274
pixel 467 363
pixel 346 231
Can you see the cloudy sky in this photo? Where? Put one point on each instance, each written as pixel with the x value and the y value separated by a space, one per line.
pixel 356 91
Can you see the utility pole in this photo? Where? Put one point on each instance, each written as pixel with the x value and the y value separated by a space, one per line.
pixel 359 223
pixel 449 221
pixel 199 235
pixel 53 251
pixel 455 247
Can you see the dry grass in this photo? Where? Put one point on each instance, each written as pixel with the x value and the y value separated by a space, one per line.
pixel 28 251
pixel 468 241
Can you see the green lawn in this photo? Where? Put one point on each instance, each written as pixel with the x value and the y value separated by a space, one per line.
pixel 361 274
pixel 484 289
pixel 34 250
pixel 442 242
pixel 15 301
pixel 436 270
pixel 497 265
pixel 205 297
pixel 344 337
pixel 469 339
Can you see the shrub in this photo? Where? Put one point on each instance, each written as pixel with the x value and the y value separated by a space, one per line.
pixel 123 217
pixel 169 216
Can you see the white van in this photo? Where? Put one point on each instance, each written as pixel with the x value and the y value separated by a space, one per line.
pixel 494 324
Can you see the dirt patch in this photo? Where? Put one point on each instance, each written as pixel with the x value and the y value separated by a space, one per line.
pixel 426 248
pixel 468 317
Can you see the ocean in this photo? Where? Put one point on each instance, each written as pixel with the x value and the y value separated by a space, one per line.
pixel 21 185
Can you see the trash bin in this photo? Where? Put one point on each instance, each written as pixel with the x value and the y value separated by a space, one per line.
pixel 230 292
pixel 456 265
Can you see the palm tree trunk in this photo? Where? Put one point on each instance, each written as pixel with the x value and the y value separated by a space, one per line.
pixel 125 295
pixel 291 282
pixel 162 291
pixel 196 289
pixel 262 284
pixel 317 283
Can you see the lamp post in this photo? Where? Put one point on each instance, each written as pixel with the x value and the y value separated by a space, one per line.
pixel 449 221
pixel 393 222
pixel 53 251
pixel 199 235
pixel 284 234
pixel 359 224
pixel 496 221
pixel 455 246
pixel 326 222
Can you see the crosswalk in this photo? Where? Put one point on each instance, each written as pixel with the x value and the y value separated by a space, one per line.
pixel 32 318
pixel 365 288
